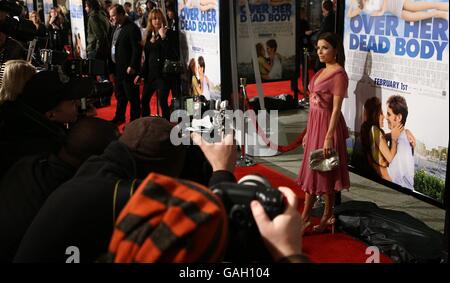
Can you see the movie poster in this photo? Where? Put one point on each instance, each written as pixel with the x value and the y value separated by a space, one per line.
pixel 77 25
pixel 200 46
pixel 398 106
pixel 273 24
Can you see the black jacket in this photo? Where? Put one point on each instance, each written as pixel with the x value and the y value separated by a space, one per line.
pixel 25 132
pixel 155 55
pixel 79 213
pixel 23 190
pixel 327 24
pixel 127 49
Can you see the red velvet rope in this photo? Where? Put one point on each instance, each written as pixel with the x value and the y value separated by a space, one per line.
pixel 280 148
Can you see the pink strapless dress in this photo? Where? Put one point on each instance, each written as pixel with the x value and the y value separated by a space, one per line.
pixel 321 106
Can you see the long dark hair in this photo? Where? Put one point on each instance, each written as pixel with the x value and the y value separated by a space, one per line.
pixel 372 110
pixel 334 41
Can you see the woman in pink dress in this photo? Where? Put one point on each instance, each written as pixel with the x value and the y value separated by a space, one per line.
pixel 326 129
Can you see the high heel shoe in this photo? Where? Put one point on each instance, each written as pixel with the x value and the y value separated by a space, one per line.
pixel 324 224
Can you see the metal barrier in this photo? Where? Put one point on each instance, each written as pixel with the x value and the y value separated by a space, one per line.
pixel 305 78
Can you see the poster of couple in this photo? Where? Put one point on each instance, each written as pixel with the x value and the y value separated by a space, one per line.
pixel 273 26
pixel 398 106
pixel 200 47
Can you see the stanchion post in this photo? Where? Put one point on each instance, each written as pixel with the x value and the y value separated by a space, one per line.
pixel 244 160
pixel 305 101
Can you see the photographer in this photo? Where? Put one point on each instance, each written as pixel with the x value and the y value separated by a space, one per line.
pixel 144 147
pixel 282 235
pixel 138 154
pixel 37 120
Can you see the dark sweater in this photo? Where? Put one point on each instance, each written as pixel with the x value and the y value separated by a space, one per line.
pixel 79 213
pixel 23 190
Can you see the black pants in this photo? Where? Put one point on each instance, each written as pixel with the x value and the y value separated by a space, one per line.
pixel 150 87
pixel 126 91
pixel 159 85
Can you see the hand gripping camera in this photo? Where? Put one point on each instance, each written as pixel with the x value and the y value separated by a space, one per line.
pixel 245 242
pixel 237 197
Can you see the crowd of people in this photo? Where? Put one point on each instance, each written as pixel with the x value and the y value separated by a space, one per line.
pixel 71 180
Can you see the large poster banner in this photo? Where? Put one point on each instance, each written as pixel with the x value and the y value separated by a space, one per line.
pixel 273 24
pixel 200 38
pixel 398 106
pixel 77 25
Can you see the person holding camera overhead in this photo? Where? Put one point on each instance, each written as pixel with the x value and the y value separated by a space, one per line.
pixel 326 130
pixel 158 46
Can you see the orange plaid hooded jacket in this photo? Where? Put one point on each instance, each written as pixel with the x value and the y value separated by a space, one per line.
pixel 170 220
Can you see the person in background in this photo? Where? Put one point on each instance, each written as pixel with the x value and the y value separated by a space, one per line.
pixel 97 45
pixel 131 14
pixel 149 6
pixel 327 25
pixel 172 20
pixel 125 56
pixel 55 30
pixel 158 47
pixel 139 15
pixel 106 6
pixel 40 27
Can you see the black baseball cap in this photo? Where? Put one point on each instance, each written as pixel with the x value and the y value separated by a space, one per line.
pixel 45 90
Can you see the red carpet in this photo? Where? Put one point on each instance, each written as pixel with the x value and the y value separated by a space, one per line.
pixel 277 88
pixel 321 248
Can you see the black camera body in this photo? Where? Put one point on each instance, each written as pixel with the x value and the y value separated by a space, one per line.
pixel 245 243
pixel 237 197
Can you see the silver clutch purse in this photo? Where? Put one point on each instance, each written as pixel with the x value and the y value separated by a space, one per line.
pixel 319 163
